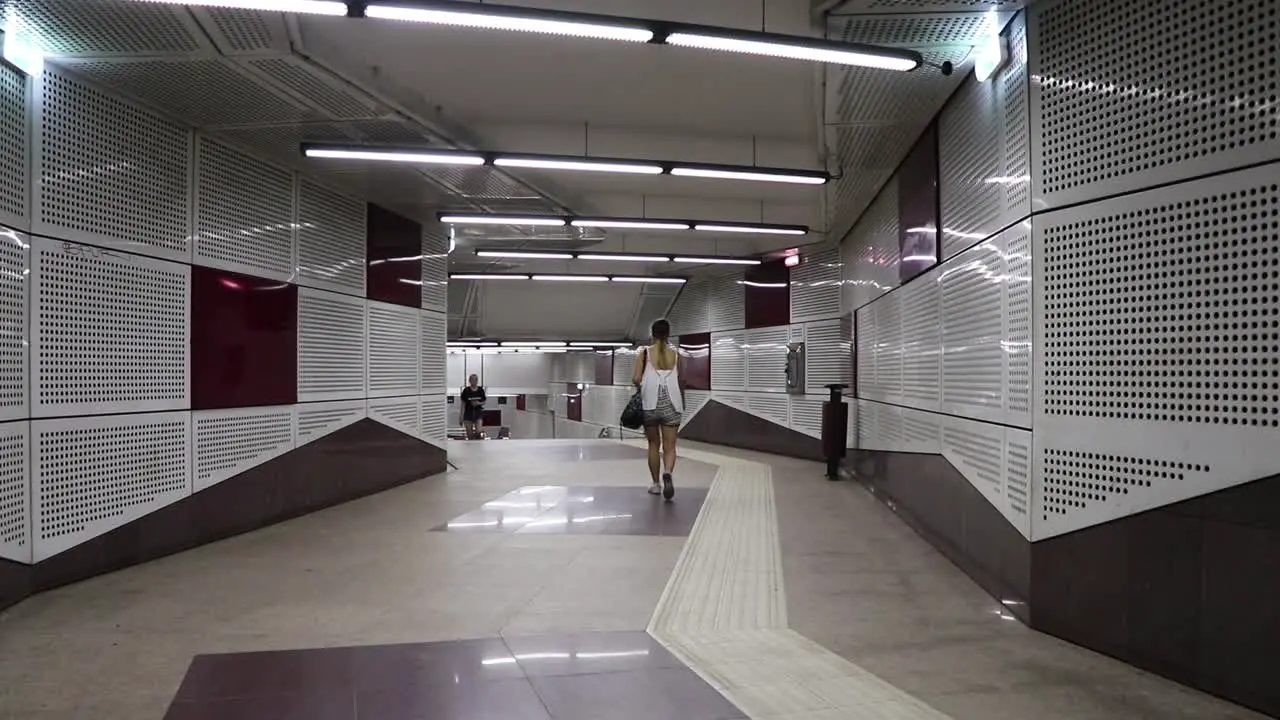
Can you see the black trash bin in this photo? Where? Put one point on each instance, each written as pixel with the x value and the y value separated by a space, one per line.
pixel 835 430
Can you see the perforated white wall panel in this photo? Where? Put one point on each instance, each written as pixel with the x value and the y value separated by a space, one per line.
pixel 918 304
pixel 978 451
pixel 15 150
pixel 870 252
pixel 14 275
pixel 435 267
pixel 93 474
pixel 331 346
pixel 109 332
pixel 728 361
pixel 244 213
pixel 331 240
pixel 434 374
pixel 435 420
pixel 109 173
pixel 624 363
pixel 401 413
pixel 395 347
pixel 815 287
pixel 315 420
pixel 766 355
pixel 229 442
pixel 879 328
pixel 983 146
pixel 1170 100
pixel 690 313
pixel 726 305
pixel 1156 355
pixel 15 492
pixel 827 355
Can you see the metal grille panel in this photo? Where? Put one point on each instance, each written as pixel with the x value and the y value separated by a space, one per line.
pixel 766 353
pixel 331 240
pixel 435 420
pixel 689 313
pixel 395 347
pixel 726 303
pixel 827 355
pixel 109 173
pixel 969 132
pixel 94 474
pixel 1017 319
pixel 109 331
pixel 775 408
pixel 815 287
pixel 1186 95
pixel 806 416
pixel 624 363
pixel 68 27
pixel 728 361
pixel 15 492
pixel 435 267
pixel 1014 102
pixel 300 78
pixel 920 349
pixel 982 452
pixel 316 420
pixel 331 346
pixel 694 401
pixel 228 442
pixel 244 213
pixel 14 248
pixel 433 358
pixel 972 334
pixel 15 144
pixel 871 252
pixel 402 413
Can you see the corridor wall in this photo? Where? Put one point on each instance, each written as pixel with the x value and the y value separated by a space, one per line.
pixel 196 342
pixel 1077 404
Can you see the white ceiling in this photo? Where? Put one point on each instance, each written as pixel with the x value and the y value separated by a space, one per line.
pixel 270 81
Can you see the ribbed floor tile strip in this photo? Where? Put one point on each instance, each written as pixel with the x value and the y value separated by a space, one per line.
pixel 723 613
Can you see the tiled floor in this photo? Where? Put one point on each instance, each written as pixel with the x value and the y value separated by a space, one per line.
pixel 549 677
pixel 783 557
pixel 557 509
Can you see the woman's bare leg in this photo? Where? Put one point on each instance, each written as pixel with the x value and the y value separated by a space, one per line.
pixel 652 434
pixel 668 459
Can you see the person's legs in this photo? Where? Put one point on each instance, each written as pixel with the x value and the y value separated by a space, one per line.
pixel 654 436
pixel 470 427
pixel 668 459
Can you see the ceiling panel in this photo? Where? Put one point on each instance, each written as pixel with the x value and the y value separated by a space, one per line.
pixel 552 310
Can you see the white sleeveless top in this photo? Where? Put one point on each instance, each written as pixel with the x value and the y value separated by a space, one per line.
pixel 654 378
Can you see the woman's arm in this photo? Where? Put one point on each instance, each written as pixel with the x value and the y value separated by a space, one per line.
pixel 637 373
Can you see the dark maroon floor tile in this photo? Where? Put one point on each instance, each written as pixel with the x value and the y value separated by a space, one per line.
pixel 494 700
pixel 589 653
pixel 633 695
pixel 319 705
pixel 385 667
pixel 256 674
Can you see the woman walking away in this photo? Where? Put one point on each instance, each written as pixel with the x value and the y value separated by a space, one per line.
pixel 658 377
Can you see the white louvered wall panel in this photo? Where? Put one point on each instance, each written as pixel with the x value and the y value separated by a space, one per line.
pixel 316 420
pixel 893 428
pixel 827 355
pixel 91 475
pixel 870 253
pixel 394 350
pixel 624 363
pixel 433 334
pixel 815 287
pixel 111 173
pixel 400 413
pixel 766 354
pixel 774 407
pixel 1016 246
pixel 972 334
pixel 1155 132
pixel 694 401
pixel 109 332
pixel 331 346
pixel 15 150
pixel 244 213
pixel 15 492
pixel 331 240
pixel 226 443
pixel 435 267
pixel 887 316
pixel 691 312
pixel 434 411
pixel 919 316
pixel 1155 354
pixel 806 415
pixel 728 361
pixel 14 278
pixel 726 305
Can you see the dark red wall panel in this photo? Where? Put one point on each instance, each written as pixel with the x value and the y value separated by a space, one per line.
pixel 918 207
pixel 394 252
pixel 244 340
pixel 695 364
pixel 766 294
pixel 573 408
pixel 604 368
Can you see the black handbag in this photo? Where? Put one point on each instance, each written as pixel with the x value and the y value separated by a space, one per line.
pixel 633 414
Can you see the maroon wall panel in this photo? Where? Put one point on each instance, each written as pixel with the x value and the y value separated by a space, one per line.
pixel 695 363
pixel 767 295
pixel 918 207
pixel 573 408
pixel 520 402
pixel 604 368
pixel 491 418
pixel 244 340
pixel 394 251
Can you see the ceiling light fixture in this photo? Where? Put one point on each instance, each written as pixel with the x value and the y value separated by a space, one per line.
pixel 584 164
pixel 630 223
pixel 753 174
pixel 573 278
pixel 655 280
pixel 529 255
pixel 476 344
pixel 417 157
pixel 752 229
pixel 498 17
pixel 309 7
pixel 599 344
pixel 716 261
pixel 534 343
pixel 489 276
pixel 609 257
pixel 794 48
pixel 540 220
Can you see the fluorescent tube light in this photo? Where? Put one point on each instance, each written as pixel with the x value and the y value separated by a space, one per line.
pixel 543 220
pixel 311 7
pixel 623 258
pixel 496 17
pixel 717 260
pixel 461 343
pixel 400 156
pixel 793 48
pixel 751 283
pixel 573 278
pixel 524 254
pixel 489 276
pixel 536 343
pixel 779 176
pixel 755 229
pixel 629 224
pixel 599 344
pixel 585 164
pixel 656 280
